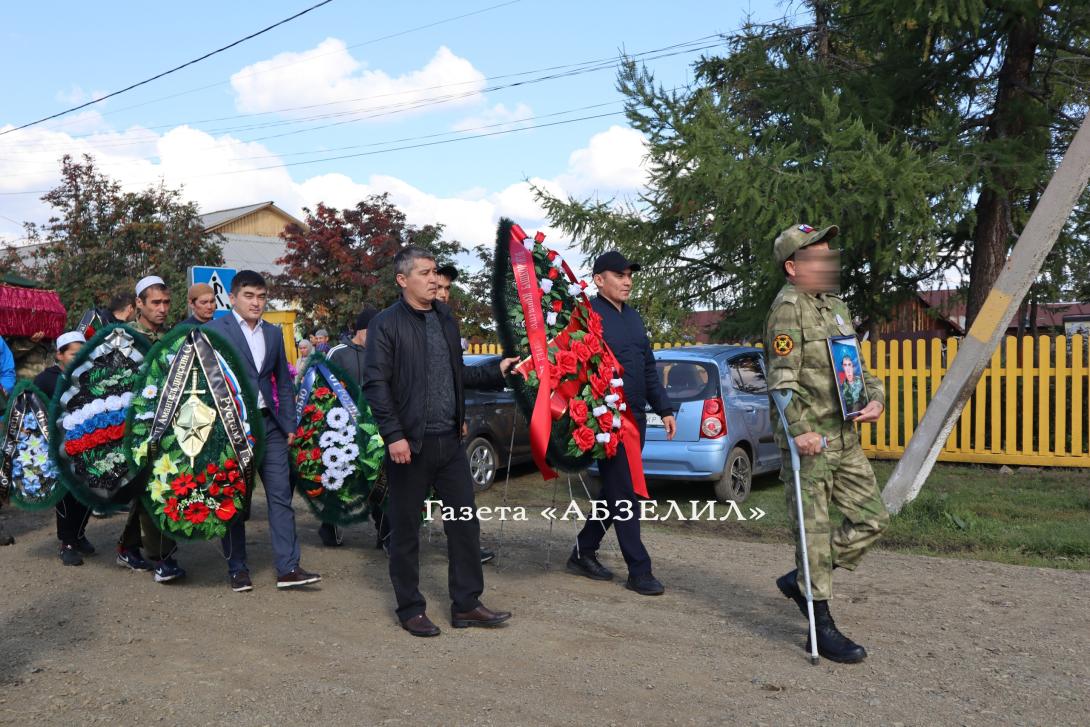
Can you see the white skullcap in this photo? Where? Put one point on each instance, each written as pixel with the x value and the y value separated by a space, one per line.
pixel 70 337
pixel 147 282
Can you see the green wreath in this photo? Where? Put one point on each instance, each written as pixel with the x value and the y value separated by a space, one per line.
pixel 199 497
pixel 336 490
pixel 35 481
pixel 89 449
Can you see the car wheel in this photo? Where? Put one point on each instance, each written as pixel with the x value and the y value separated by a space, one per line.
pixel 737 478
pixel 482 463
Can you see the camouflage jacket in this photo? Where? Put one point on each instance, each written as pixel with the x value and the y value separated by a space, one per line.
pixel 152 336
pixel 796 341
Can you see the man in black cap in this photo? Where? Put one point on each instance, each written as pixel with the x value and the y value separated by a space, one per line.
pixel 350 358
pixel 624 332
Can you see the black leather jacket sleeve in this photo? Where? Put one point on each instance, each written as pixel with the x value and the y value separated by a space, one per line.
pixel 378 380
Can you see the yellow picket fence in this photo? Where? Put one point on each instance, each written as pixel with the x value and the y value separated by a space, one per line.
pixel 1030 407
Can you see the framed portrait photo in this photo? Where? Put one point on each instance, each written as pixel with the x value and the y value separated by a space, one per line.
pixel 848 369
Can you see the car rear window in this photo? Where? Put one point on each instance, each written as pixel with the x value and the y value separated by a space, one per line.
pixel 688 380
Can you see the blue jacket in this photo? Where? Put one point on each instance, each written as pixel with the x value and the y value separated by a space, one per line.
pixel 7 367
pixel 626 336
pixel 275 363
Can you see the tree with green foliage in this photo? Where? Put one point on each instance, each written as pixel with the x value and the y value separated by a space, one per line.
pixel 894 120
pixel 342 260
pixel 101 240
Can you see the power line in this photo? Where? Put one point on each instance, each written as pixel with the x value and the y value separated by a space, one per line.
pixel 168 72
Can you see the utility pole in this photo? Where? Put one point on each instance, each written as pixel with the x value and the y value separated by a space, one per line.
pixel 1002 303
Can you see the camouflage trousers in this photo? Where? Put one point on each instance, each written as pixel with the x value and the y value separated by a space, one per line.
pixel 845 478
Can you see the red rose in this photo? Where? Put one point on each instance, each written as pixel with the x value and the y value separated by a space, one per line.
pixel 581 351
pixel 584 438
pixel 298 434
pixel 598 386
pixel 214 490
pixel 240 487
pixel 196 512
pixel 301 458
pixel 552 256
pixel 233 476
pixel 171 509
pixel 594 323
pixel 230 464
pixel 566 363
pixel 315 453
pixel 612 444
pixel 211 468
pixel 226 510
pixel 322 391
pixel 593 343
pixel 201 479
pixel 605 422
pixel 317 416
pixel 221 476
pixel 309 408
pixel 558 305
pixel 578 411
pixel 553 273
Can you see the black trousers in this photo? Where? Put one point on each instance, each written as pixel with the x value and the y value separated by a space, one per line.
pixel 72 518
pixel 440 464
pixel 617 488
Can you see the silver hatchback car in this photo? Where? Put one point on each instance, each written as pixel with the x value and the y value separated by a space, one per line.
pixel 724 434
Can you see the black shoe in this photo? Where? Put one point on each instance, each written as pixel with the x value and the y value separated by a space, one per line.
pixel 100 513
pixel 6 538
pixel 487 555
pixel 296 578
pixel 240 582
pixel 645 585
pixel 832 644
pixel 788 584
pixel 70 556
pixel 587 565
pixel 83 545
pixel 130 558
pixel 168 570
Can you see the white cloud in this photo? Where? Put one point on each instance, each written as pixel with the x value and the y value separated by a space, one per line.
pixel 329 74
pixel 614 160
pixel 498 114
pixel 75 95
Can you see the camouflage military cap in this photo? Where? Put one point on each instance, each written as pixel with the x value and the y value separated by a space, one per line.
pixel 796 237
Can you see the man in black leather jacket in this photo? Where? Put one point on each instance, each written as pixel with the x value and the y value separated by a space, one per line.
pixel 414 381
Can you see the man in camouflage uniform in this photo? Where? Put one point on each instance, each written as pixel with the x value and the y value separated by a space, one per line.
pixel 833 468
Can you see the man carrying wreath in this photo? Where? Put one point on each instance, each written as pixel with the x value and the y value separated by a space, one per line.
pixel 624 332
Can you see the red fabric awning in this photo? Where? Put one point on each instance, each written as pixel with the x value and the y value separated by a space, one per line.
pixel 25 311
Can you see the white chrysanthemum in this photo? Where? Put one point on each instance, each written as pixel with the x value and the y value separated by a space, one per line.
pixel 333 480
pixel 333 458
pixel 351 451
pixel 338 418
pixel 329 438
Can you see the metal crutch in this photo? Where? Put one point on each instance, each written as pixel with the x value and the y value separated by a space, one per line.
pixel 782 397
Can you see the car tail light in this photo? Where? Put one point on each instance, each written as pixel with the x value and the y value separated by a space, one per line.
pixel 713 422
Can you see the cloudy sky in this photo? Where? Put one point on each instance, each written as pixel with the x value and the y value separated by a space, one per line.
pixel 327 107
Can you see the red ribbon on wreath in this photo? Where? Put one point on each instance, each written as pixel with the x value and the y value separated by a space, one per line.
pixel 552 396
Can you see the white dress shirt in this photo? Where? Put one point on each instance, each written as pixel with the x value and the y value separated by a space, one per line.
pixel 255 338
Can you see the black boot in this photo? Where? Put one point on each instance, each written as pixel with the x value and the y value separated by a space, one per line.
pixel 832 644
pixel 788 584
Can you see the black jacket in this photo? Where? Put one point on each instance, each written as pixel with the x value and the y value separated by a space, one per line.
pixel 396 377
pixel 47 381
pixel 351 358
pixel 625 333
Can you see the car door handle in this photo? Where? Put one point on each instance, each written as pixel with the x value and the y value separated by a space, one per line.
pixel 751 409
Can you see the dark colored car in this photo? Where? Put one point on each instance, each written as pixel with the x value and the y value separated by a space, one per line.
pixel 491 418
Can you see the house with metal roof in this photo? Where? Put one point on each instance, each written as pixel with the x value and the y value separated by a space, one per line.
pixel 251 235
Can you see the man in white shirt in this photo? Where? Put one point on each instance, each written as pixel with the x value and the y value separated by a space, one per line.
pixel 260 348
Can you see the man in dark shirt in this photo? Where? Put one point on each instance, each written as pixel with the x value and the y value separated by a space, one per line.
pixel 414 385
pixel 624 332
pixel 72 514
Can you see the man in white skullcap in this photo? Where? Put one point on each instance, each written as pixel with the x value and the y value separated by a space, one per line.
pixel 71 513
pixel 152 307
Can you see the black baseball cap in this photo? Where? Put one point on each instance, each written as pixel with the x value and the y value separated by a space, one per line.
pixel 364 318
pixel 613 261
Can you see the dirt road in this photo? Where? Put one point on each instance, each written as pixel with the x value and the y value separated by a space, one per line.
pixel 951 642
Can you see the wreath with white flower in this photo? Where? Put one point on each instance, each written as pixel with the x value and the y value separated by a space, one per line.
pixel 87 417
pixel 30 474
pixel 198 496
pixel 336 459
pixel 588 402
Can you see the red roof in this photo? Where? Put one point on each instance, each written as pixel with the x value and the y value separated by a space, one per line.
pixel 951 305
